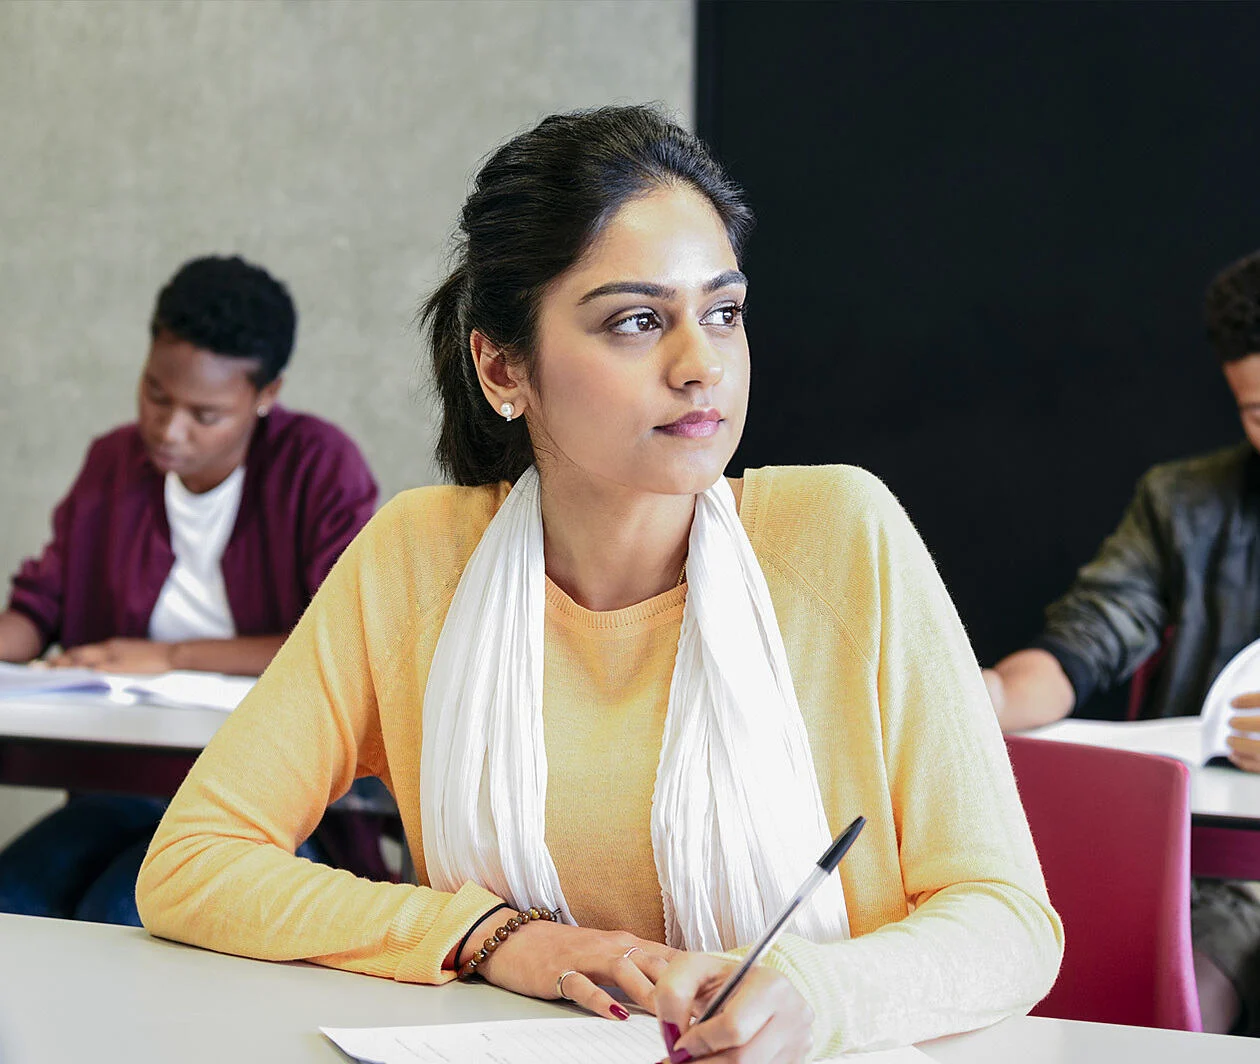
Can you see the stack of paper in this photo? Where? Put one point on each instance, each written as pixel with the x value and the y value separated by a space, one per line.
pixel 198 689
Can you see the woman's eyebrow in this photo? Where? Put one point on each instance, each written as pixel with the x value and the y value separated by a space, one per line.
pixel 727 278
pixel 659 291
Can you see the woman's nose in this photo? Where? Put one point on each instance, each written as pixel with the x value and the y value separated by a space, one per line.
pixel 695 363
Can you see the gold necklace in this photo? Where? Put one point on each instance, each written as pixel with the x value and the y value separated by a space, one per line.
pixel 682 576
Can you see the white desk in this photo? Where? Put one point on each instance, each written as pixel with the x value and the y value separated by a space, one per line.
pixel 1218 796
pixel 93 718
pixel 72 992
pixel 88 742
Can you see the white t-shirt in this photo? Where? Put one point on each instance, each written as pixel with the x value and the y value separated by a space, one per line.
pixel 193 603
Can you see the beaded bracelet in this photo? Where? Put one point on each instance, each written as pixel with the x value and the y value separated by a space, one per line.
pixel 469 933
pixel 514 923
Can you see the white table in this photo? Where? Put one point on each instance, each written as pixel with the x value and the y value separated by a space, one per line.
pixel 1222 796
pixel 94 718
pixel 1224 802
pixel 73 992
pixel 87 742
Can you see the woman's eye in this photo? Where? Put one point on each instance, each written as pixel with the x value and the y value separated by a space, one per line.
pixel 728 314
pixel 207 417
pixel 634 324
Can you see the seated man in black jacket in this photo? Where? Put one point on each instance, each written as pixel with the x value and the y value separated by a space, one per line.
pixel 1181 571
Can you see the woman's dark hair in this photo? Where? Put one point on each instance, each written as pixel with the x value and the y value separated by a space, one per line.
pixel 536 206
pixel 1232 309
pixel 230 307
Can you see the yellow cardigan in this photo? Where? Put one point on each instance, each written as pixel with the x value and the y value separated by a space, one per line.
pixel 951 923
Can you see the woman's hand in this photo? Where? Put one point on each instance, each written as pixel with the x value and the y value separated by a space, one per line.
pixel 118 655
pixel 766 1021
pixel 532 959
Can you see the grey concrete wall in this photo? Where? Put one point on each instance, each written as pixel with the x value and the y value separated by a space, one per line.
pixel 331 141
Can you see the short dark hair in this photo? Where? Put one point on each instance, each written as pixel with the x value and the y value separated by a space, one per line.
pixel 536 206
pixel 230 307
pixel 1232 309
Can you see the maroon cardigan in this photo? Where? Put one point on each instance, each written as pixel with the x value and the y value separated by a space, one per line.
pixel 307 492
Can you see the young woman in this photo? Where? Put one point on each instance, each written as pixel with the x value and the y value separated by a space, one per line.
pixel 192 538
pixel 605 682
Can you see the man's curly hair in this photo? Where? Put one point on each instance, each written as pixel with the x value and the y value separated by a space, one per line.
pixel 230 307
pixel 1232 309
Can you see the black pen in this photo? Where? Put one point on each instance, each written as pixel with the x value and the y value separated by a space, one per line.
pixel 826 865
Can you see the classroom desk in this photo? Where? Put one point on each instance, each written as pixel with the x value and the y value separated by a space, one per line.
pixel 72 992
pixel 87 742
pixel 1224 802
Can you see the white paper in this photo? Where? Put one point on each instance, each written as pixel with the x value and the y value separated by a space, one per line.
pixel 1178 737
pixel 558 1041
pixel 210 690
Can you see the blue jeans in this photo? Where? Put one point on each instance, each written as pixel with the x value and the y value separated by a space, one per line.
pixel 81 861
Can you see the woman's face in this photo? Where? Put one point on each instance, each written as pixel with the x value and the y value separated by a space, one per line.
pixel 198 410
pixel 642 369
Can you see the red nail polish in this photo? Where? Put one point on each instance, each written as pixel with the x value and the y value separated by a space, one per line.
pixel 619 1012
pixel 670 1032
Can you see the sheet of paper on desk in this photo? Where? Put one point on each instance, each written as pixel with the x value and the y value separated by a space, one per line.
pixel 203 689
pixel 559 1041
pixel 1177 737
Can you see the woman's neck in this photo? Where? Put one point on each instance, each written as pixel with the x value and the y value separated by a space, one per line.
pixel 610 548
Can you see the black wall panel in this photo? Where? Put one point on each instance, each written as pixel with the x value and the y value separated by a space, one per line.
pixel 983 235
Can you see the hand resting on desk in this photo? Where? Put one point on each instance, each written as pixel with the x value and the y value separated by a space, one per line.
pixel 118 655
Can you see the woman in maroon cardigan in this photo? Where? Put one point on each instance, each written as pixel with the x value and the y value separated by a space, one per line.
pixel 192 538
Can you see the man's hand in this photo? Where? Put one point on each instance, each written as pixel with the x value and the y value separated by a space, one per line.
pixel 118 655
pixel 1244 749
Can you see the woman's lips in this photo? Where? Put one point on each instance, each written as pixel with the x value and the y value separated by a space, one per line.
pixel 695 426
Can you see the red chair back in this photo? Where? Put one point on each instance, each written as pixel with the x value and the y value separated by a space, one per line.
pixel 1112 829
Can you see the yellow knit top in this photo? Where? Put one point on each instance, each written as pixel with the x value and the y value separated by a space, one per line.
pixel 952 928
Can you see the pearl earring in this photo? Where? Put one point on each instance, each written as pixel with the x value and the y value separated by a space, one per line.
pixel 263 411
pixel 508 411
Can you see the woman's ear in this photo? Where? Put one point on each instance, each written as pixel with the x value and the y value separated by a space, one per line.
pixel 503 390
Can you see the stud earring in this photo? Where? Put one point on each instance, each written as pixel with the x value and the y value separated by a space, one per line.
pixel 508 411
pixel 263 411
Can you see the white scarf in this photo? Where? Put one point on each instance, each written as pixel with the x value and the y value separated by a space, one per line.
pixel 737 817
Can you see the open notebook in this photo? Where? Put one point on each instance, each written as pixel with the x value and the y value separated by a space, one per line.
pixel 197 689
pixel 1194 740
pixel 558 1041
pixel 1240 677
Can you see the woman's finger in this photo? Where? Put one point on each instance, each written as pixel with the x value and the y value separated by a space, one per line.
pixel 628 973
pixel 650 965
pixel 775 1043
pixel 688 980
pixel 1250 700
pixel 742 1018
pixel 581 991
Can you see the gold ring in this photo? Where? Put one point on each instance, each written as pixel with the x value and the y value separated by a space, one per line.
pixel 632 949
pixel 560 984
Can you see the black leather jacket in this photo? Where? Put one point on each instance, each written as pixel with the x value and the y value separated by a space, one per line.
pixel 1182 570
